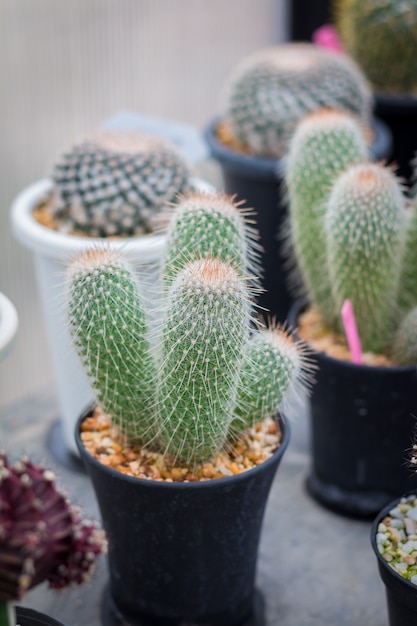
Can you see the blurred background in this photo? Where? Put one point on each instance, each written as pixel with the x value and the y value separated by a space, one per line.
pixel 67 66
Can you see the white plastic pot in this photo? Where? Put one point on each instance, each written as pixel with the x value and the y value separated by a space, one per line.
pixel 52 251
pixel 8 325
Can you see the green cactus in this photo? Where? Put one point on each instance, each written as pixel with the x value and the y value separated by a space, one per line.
pixel 204 335
pixel 404 345
pixel 107 322
pixel 273 89
pixel 273 360
pixel 381 35
pixel 181 397
pixel 324 144
pixel 204 225
pixel 116 183
pixel 365 230
pixel 408 284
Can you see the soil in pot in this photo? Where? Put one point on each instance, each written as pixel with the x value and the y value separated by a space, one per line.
pixel 394 541
pixel 362 424
pixel 183 551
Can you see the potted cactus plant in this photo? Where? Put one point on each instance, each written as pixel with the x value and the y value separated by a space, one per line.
pixel 353 239
pixel 181 484
pixel 267 94
pixel 110 187
pixel 382 37
pixel 44 538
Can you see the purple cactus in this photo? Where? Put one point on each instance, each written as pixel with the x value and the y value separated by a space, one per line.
pixel 42 536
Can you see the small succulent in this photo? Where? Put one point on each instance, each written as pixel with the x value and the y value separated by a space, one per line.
pixel 206 349
pixel 42 536
pixel 116 183
pixel 273 89
pixel 381 35
pixel 360 230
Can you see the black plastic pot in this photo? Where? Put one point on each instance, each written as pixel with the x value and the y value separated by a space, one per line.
pixel 400 115
pixel 306 16
pixel 259 182
pixel 182 552
pixel 29 617
pixel 401 594
pixel 362 425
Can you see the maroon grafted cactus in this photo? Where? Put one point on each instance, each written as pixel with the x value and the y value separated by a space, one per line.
pixel 42 536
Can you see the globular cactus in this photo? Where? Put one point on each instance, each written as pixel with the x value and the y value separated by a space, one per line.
pixel 109 329
pixel 273 89
pixel 208 225
pixel 404 344
pixel 43 537
pixel 381 35
pixel 116 183
pixel 204 335
pixel 273 361
pixel 365 230
pixel 324 144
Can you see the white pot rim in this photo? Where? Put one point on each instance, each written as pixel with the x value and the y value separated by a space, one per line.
pixel 51 243
pixel 8 323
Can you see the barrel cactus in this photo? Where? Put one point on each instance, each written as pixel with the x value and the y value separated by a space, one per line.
pixel 324 144
pixel 43 537
pixel 381 35
pixel 271 90
pixel 404 344
pixel 193 375
pixel 115 183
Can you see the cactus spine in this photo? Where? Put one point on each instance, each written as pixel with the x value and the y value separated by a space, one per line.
pixel 381 35
pixel 365 230
pixel 204 335
pixel 324 144
pixel 272 90
pixel 116 183
pixel 408 285
pixel 404 344
pixel 108 325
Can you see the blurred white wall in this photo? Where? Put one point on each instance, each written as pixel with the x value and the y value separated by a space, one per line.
pixel 66 66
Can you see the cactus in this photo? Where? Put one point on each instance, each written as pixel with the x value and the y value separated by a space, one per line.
pixel 43 537
pixel 181 397
pixel 204 335
pixel 273 89
pixel 324 144
pixel 205 225
pixel 109 329
pixel 404 344
pixel 116 183
pixel 365 227
pixel 408 284
pixel 381 35
pixel 273 360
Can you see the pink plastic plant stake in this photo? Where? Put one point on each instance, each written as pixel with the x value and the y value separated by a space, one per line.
pixel 351 331
pixel 326 36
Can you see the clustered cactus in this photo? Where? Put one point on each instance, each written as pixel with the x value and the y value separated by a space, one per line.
pixel 210 373
pixel 42 536
pixel 381 35
pixel 273 89
pixel 353 233
pixel 116 183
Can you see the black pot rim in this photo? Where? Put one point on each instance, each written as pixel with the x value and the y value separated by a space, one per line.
pixel 268 168
pixel 298 306
pixel 37 617
pixel 206 484
pixel 374 528
pixel 404 102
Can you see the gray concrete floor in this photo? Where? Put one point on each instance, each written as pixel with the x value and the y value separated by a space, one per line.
pixel 315 568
